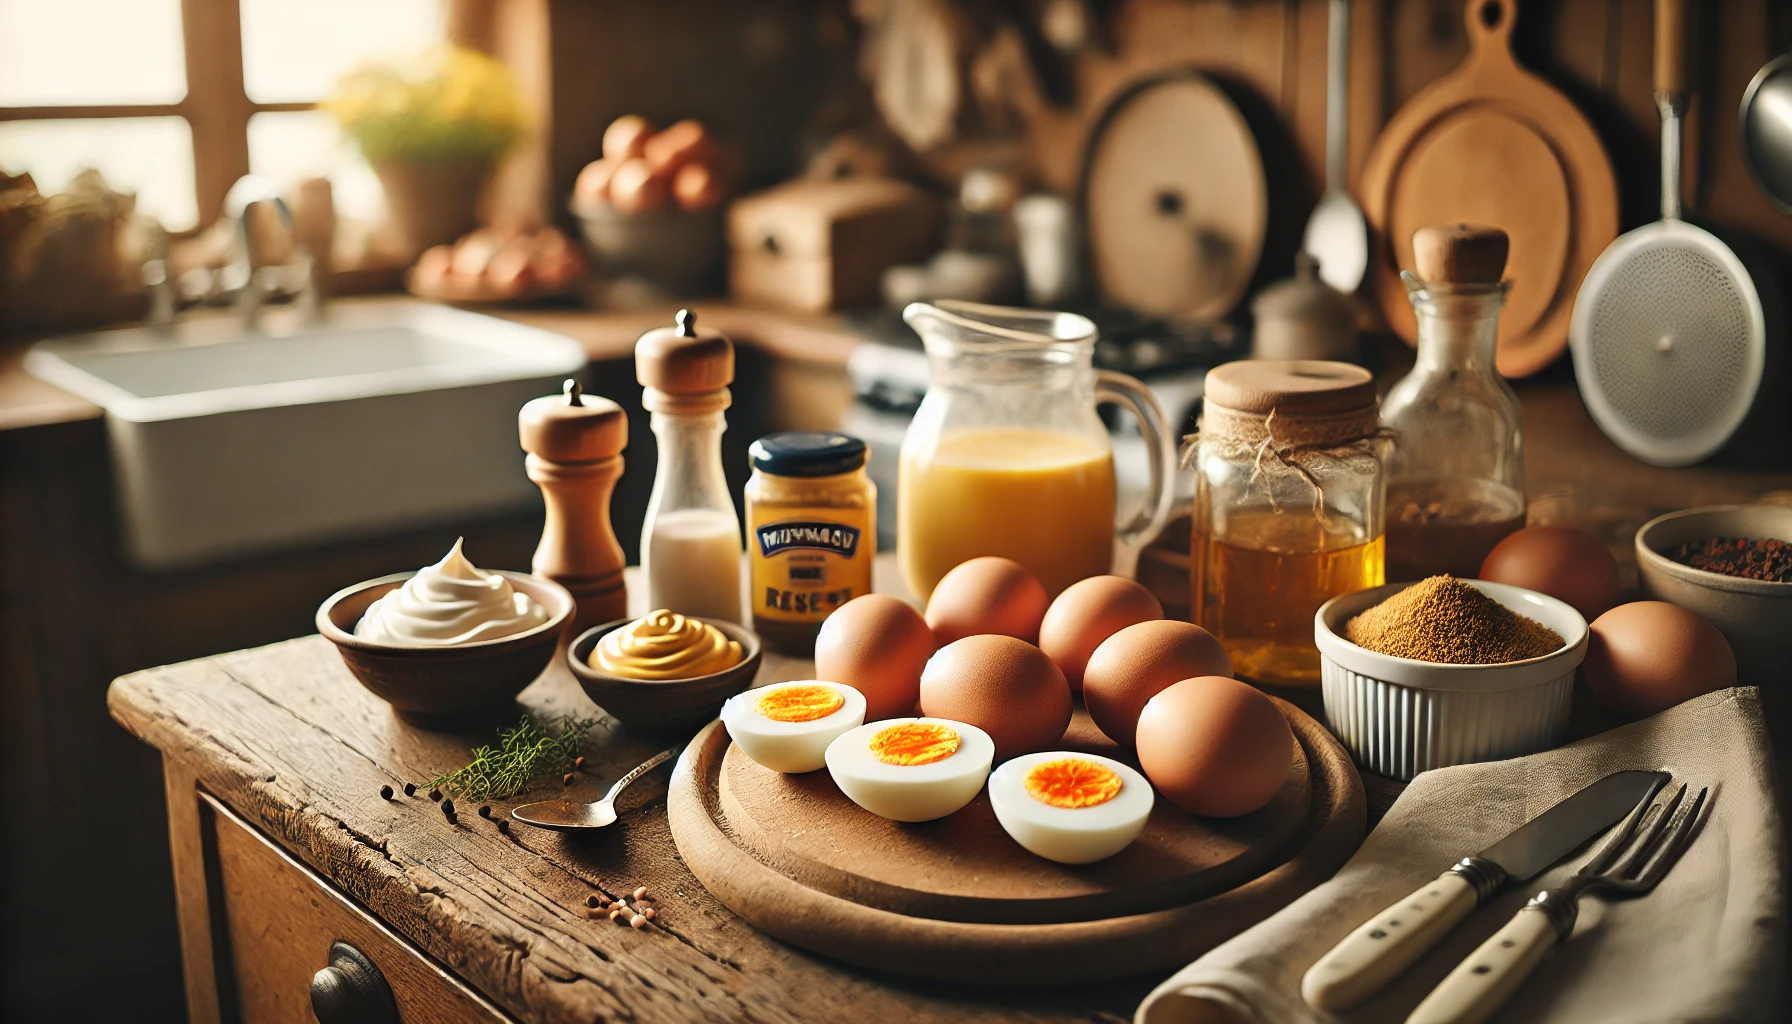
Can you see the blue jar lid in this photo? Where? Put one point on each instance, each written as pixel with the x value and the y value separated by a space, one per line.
pixel 807 453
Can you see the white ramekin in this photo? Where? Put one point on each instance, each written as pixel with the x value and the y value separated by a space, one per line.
pixel 1400 717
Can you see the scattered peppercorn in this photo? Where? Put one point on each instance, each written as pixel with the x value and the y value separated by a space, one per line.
pixel 1751 559
pixel 410 789
pixel 504 826
pixel 485 810
pixel 385 792
pixel 648 913
pixel 641 893
pixel 453 819
pixel 592 901
pixel 615 914
pixel 566 780
pixel 448 807
pixel 436 795
pixel 637 921
pixel 1445 621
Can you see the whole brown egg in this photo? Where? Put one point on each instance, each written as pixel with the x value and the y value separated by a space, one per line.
pixel 1647 656
pixel 1567 564
pixel 1214 746
pixel 878 645
pixel 987 595
pixel 1138 662
pixel 1004 686
pixel 1088 612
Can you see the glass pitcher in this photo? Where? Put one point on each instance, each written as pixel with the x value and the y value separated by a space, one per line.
pixel 1007 456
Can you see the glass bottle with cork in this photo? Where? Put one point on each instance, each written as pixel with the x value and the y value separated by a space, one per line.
pixel 811 533
pixel 1288 513
pixel 690 541
pixel 1456 476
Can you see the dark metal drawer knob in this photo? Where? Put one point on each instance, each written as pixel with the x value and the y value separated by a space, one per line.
pixel 351 990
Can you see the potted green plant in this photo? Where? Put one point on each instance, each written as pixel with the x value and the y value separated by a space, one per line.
pixel 433 128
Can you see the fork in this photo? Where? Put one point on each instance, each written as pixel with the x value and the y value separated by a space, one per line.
pixel 1479 984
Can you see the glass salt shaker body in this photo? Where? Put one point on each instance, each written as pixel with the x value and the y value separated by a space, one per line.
pixel 1288 508
pixel 1456 477
pixel 690 539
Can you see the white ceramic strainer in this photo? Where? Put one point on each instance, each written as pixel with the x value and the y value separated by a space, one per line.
pixel 1668 333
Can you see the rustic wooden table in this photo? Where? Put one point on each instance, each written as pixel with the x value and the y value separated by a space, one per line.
pixel 283 739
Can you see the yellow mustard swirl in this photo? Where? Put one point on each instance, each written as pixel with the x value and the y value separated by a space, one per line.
pixel 665 645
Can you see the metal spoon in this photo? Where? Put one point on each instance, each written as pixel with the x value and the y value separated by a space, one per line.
pixel 1337 235
pixel 572 816
pixel 1766 118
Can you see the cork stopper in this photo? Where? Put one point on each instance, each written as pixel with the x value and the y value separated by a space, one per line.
pixel 685 371
pixel 1459 254
pixel 1291 387
pixel 572 426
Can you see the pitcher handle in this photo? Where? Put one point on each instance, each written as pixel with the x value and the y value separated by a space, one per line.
pixel 1131 394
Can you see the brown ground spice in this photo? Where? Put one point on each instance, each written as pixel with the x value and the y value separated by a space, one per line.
pixel 1446 621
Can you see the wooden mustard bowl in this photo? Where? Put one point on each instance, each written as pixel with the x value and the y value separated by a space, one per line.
pixel 424 683
pixel 664 704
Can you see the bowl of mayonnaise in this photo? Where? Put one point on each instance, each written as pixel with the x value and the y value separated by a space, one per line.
pixel 449 639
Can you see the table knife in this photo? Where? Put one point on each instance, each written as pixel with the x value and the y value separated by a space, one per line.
pixel 1389 942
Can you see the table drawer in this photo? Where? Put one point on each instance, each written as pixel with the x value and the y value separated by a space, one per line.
pixel 277 920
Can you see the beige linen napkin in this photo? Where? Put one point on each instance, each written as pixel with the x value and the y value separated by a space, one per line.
pixel 1707 945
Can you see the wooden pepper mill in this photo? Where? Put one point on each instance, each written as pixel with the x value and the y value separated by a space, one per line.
pixel 575 447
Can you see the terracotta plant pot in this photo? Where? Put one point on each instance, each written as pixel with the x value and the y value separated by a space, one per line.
pixel 432 202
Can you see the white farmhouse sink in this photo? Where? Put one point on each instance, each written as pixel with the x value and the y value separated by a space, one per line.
pixel 386 415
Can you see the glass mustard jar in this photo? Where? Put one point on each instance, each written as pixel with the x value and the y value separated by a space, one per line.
pixel 1288 513
pixel 1456 476
pixel 811 532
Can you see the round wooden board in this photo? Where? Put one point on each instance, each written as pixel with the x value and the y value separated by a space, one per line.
pixel 957 900
pixel 1175 200
pixel 1490 143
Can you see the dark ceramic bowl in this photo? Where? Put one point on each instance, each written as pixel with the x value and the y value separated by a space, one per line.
pixel 655 704
pixel 426 683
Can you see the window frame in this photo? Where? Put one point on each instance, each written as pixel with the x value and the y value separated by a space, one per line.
pixel 216 106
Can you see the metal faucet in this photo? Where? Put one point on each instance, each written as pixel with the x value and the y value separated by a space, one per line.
pixel 252 284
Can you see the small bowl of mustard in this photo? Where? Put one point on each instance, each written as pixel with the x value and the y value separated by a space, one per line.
pixel 664 671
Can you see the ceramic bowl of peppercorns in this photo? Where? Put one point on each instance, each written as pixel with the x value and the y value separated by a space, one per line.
pixel 1733 565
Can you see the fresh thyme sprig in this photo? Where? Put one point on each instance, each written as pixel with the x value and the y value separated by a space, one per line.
pixel 525 752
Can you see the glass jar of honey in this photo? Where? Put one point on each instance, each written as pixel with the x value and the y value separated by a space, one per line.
pixel 1289 493
pixel 811 533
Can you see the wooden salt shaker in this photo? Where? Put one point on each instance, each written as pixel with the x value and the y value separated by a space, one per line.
pixel 575 447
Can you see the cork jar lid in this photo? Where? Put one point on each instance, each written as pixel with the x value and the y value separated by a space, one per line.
pixel 573 426
pixel 683 368
pixel 1460 254
pixel 1291 387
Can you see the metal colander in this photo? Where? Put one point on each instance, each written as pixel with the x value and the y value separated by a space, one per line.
pixel 1669 343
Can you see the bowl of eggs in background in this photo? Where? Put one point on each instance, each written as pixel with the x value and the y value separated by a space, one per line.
pixel 915 714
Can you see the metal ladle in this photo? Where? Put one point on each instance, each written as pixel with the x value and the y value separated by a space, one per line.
pixel 574 816
pixel 1337 236
pixel 1766 121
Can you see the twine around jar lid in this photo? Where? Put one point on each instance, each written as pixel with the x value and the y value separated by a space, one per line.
pixel 1290 403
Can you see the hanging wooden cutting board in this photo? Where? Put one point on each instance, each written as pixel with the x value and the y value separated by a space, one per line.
pixel 1490 143
pixel 1174 199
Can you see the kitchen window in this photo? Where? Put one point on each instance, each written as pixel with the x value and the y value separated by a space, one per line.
pixel 176 99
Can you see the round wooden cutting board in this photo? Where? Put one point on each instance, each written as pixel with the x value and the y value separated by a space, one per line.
pixel 1490 143
pixel 1174 198
pixel 958 900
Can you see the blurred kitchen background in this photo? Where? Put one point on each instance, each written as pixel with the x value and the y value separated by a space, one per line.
pixel 316 175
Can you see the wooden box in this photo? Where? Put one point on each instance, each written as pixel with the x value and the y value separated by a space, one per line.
pixel 814 245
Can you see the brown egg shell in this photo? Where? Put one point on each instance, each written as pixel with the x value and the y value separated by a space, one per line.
pixel 1140 661
pixel 878 645
pixel 626 137
pixel 1647 656
pixel 1214 746
pixel 1567 564
pixel 1088 612
pixel 1004 686
pixel 987 595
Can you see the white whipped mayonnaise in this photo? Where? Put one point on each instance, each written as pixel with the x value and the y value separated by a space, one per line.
pixel 450 602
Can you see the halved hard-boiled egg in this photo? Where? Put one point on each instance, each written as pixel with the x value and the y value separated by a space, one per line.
pixel 1071 808
pixel 911 769
pixel 787 726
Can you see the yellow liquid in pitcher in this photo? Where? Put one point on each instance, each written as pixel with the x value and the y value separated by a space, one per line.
pixel 1043 498
pixel 1258 588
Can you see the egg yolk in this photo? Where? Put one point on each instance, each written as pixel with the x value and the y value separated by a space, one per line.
pixel 800 703
pixel 1072 782
pixel 913 743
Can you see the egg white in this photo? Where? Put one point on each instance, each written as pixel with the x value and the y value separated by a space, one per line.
pixel 919 792
pixel 1070 835
pixel 790 747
